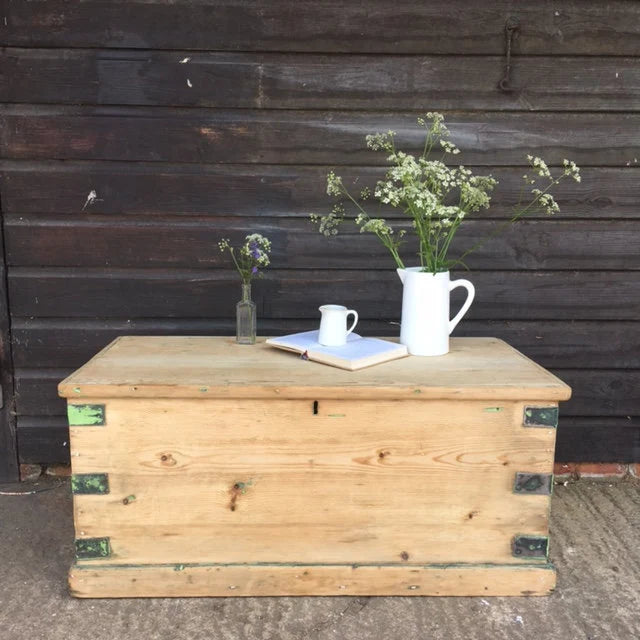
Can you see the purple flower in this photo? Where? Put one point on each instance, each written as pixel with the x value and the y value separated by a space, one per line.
pixel 254 252
pixel 254 270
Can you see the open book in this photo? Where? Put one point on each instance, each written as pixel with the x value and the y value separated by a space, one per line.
pixel 358 353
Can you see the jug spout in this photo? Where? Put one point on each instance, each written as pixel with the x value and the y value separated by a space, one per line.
pixel 402 274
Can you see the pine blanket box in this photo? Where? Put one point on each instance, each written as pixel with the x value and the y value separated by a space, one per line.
pixel 206 468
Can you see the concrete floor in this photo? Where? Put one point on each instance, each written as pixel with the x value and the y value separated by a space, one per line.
pixel 595 538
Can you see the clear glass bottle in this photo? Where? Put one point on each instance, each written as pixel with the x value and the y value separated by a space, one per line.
pixel 246 317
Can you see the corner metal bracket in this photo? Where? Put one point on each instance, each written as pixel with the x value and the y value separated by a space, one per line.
pixel 90 483
pixel 89 548
pixel 541 417
pixel 530 547
pixel 86 415
pixel 533 483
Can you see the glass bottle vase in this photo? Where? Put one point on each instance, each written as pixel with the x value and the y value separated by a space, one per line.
pixel 246 317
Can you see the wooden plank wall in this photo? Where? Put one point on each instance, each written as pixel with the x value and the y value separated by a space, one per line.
pixel 189 121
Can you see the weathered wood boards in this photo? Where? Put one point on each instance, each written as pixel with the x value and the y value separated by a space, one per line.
pixel 586 27
pixel 86 580
pixel 295 81
pixel 289 477
pixel 97 100
pixel 100 241
pixel 306 137
pixel 209 293
pixel 265 191
pixel 8 444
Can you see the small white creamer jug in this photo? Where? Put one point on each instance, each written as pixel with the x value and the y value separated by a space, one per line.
pixel 425 325
pixel 333 325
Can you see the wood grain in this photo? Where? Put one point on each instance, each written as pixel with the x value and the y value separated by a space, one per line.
pixel 271 191
pixel 269 481
pixel 45 439
pixel 105 241
pixel 95 581
pixel 306 137
pixel 214 367
pixel 596 392
pixel 586 27
pixel 295 81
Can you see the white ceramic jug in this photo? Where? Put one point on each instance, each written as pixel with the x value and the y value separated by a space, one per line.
pixel 333 325
pixel 425 326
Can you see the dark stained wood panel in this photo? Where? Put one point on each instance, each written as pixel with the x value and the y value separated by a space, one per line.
pixel 598 439
pixel 62 342
pixel 309 81
pixel 266 190
pixel 105 241
pixel 37 392
pixel 195 120
pixel 8 449
pixel 599 392
pixel 43 440
pixel 212 293
pixel 306 137
pixel 588 27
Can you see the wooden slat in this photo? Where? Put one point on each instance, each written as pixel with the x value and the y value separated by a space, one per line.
pixel 36 392
pixel 270 481
pixel 67 342
pixel 295 81
pixel 575 26
pixel 596 392
pixel 95 581
pixel 598 439
pixel 8 446
pixel 152 293
pixel 45 439
pixel 602 392
pixel 95 241
pixel 306 137
pixel 262 190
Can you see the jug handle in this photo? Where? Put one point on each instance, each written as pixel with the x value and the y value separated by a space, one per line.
pixel 471 292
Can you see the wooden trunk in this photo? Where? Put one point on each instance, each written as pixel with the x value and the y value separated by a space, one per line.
pixel 206 468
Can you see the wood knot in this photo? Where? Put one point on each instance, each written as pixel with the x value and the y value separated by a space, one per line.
pixel 168 460
pixel 237 489
pixel 404 555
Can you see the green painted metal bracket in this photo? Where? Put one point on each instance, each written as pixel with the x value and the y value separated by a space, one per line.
pixel 533 483
pixel 530 547
pixel 90 483
pixel 541 417
pixel 88 548
pixel 86 415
